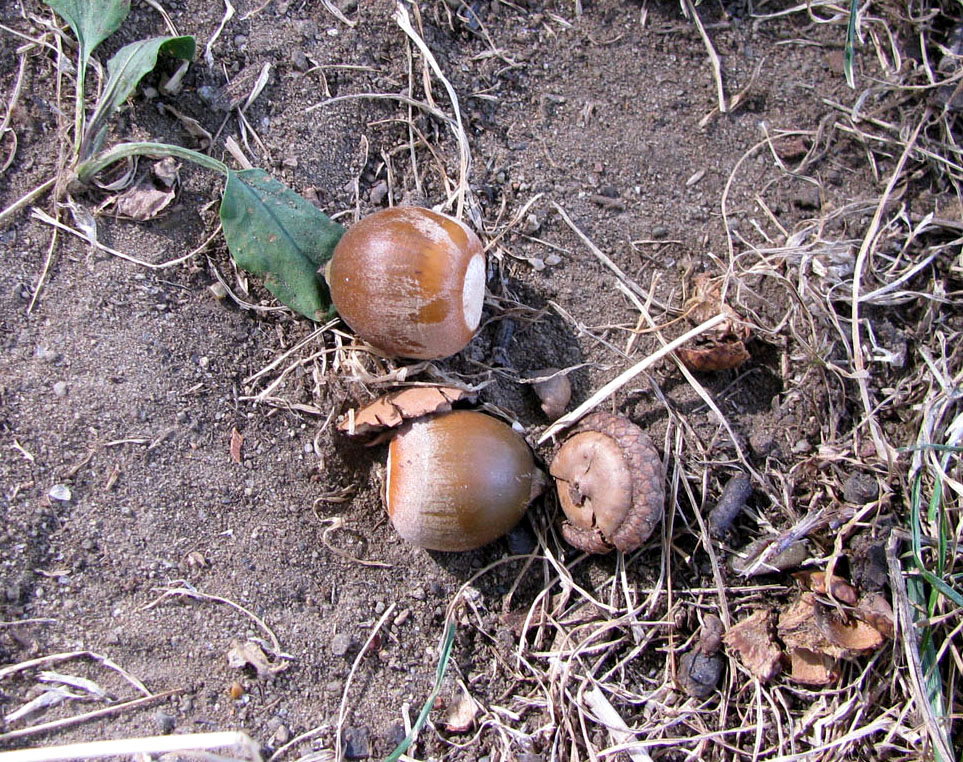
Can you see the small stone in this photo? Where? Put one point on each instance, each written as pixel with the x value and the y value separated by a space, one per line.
pixel 204 362
pixel 860 489
pixel 395 735
pixel 60 389
pixel 521 540
pixel 402 617
pixel 807 197
pixel 299 60
pixel 379 607
pixel 165 722
pixel 419 594
pixel 356 745
pixel 378 192
pixel 660 232
pixel 240 41
pixel 280 736
pixel 699 673
pixel 802 447
pixel 60 492
pixel 341 644
pixel 334 687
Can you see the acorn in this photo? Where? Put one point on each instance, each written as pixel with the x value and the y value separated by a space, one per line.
pixel 458 481
pixel 611 484
pixel 410 282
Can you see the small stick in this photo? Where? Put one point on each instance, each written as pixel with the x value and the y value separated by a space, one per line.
pixel 66 722
pixel 134 747
pixel 44 661
pixel 713 56
pixel 626 376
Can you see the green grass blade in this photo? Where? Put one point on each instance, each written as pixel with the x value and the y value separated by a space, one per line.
pixel 448 640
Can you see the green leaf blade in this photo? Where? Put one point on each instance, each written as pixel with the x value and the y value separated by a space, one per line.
pixel 92 21
pixel 125 70
pixel 274 233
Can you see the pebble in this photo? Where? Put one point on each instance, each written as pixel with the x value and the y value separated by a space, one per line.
pixel 300 60
pixel 341 644
pixel 660 231
pixel 419 594
pixel 356 745
pixel 165 722
pixel 860 489
pixel 699 673
pixel 402 617
pixel 807 197
pixel 334 687
pixel 60 492
pixel 802 446
pixel 396 734
pixel 60 389
pixel 280 736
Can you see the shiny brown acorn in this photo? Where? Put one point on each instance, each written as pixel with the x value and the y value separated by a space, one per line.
pixel 610 484
pixel 458 481
pixel 410 282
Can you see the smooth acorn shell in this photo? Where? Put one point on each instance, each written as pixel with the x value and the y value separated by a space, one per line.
pixel 409 281
pixel 458 481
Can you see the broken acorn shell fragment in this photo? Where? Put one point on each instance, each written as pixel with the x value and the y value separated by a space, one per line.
pixel 458 481
pixel 410 282
pixel 610 484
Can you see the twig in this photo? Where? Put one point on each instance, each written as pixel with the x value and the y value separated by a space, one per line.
pixel 713 56
pixel 67 722
pixel 135 747
pixel 45 661
pixel 623 378
pixel 883 448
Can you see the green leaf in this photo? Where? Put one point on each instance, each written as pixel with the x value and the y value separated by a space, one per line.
pixel 92 21
pixel 124 71
pixel 273 232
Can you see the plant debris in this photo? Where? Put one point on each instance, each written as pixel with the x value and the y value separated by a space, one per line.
pixel 391 410
pixel 752 640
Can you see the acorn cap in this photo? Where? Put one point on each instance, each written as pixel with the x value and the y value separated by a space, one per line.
pixel 610 484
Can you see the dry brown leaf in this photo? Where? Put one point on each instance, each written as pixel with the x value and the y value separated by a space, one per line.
pixel 816 582
pixel 752 640
pixel 142 202
pixel 460 714
pixel 391 410
pixel 250 654
pixel 237 440
pixel 811 668
pixel 723 347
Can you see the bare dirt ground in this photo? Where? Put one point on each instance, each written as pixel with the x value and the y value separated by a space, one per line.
pixel 172 486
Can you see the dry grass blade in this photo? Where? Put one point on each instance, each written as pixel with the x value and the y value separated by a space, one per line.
pixel 233 740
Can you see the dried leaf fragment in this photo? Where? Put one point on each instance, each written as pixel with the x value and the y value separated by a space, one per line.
pixel 250 654
pixel 722 348
pixel 143 202
pixel 751 639
pixel 460 714
pixel 391 410
pixel 237 440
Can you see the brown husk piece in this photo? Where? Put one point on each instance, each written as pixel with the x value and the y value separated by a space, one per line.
pixel 812 628
pixel 839 588
pixel 751 639
pixel 722 348
pixel 391 410
pixel 812 668
pixel 875 610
